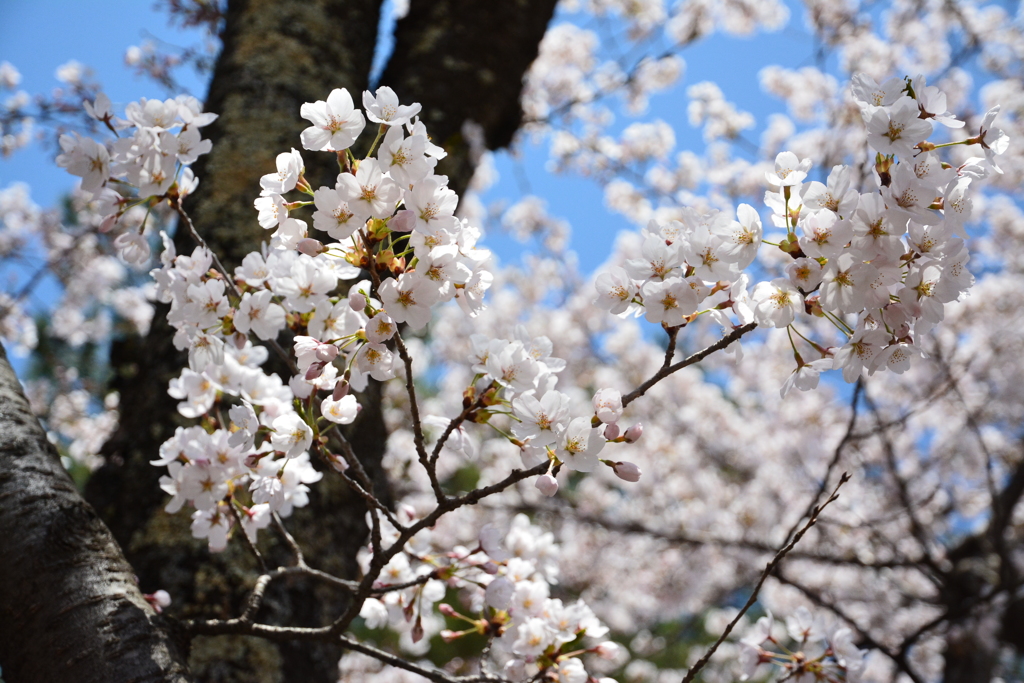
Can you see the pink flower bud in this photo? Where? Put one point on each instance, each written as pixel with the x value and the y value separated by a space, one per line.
pixel 404 221
pixel 158 600
pixel 311 247
pixel 633 434
pixel 608 650
pixel 108 223
pixel 327 352
pixel 446 609
pixel 417 630
pixel 252 460
pixel 162 598
pixel 448 635
pixel 340 390
pixel 338 463
pixel 314 370
pixel 611 432
pixel 626 471
pixel 547 485
pixel 489 567
pixel 239 340
pixel 357 302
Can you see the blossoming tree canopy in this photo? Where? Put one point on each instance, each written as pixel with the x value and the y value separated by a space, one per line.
pixel 878 258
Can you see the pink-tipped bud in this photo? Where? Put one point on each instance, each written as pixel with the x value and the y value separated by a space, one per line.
pixel 489 567
pixel 311 247
pixel 108 223
pixel 626 471
pixel 446 609
pixel 239 340
pixel 340 390
pixel 448 635
pixel 608 650
pixel 611 432
pixel 417 630
pixel 158 600
pixel 327 352
pixel 252 460
pixel 338 463
pixel 547 485
pixel 162 598
pixel 634 433
pixel 357 302
pixel 404 221
pixel 314 370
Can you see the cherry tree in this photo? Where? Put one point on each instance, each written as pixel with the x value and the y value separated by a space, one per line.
pixel 521 480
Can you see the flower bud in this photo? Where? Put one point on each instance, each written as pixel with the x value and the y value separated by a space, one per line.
pixel 314 370
pixel 448 635
pixel 404 221
pixel 489 567
pixel 340 390
pixel 634 433
pixel 626 471
pixel 239 340
pixel 158 600
pixel 609 649
pixel 547 485
pixel 327 352
pixel 357 302
pixel 311 247
pixel 611 432
pixel 446 609
pixel 417 630
pixel 162 598
pixel 337 462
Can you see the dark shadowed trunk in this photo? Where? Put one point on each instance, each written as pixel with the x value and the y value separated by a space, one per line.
pixel 71 610
pixel 467 66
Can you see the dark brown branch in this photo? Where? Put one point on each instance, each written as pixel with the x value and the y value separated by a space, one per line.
pixel 665 371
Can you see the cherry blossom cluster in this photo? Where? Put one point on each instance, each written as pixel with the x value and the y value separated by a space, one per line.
pixel 393 218
pixel 520 376
pixel 814 655
pixel 151 162
pixel 503 587
pixel 99 298
pixel 879 265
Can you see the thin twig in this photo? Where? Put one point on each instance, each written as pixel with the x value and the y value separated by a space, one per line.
pixel 417 424
pixel 665 371
pixel 300 561
pixel 248 542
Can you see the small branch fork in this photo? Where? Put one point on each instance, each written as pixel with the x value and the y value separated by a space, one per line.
pixel 669 368
pixel 779 556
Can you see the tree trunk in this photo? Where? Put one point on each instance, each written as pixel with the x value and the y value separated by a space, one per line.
pixel 71 609
pixel 464 61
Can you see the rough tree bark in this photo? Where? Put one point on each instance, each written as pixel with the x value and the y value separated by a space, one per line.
pixel 275 56
pixel 71 610
pixel 464 61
